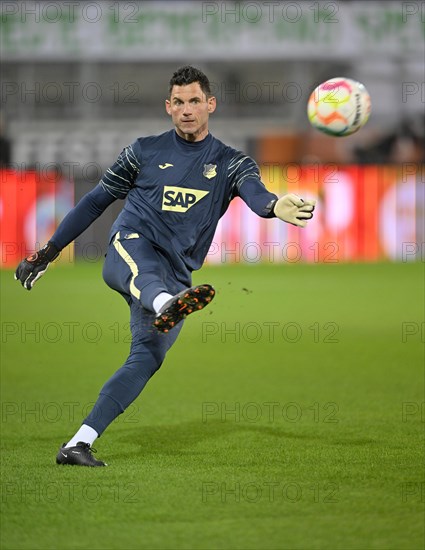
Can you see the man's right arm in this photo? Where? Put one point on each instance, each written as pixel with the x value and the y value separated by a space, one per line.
pixel 88 209
pixel 115 184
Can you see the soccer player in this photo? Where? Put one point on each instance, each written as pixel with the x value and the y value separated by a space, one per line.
pixel 177 185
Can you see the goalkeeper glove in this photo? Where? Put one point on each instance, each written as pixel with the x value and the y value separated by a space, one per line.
pixel 33 267
pixel 292 209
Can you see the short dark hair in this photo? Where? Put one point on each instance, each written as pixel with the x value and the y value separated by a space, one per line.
pixel 187 75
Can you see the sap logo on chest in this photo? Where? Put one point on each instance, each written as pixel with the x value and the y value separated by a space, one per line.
pixel 180 199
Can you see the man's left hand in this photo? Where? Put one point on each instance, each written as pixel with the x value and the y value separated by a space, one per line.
pixel 293 209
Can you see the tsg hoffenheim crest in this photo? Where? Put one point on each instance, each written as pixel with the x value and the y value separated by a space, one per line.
pixel 210 171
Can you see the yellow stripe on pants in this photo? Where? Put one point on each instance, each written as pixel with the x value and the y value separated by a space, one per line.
pixel 130 262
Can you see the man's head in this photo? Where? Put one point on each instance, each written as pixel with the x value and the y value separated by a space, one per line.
pixel 190 103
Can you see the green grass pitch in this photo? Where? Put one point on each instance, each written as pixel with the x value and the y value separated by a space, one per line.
pixel 289 414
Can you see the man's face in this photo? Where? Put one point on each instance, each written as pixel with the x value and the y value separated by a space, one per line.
pixel 190 108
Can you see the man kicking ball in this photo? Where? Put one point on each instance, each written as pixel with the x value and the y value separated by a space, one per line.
pixel 177 186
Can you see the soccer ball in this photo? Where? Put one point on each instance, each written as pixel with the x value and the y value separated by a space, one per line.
pixel 339 107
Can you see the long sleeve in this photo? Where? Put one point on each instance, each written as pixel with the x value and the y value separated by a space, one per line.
pixel 254 193
pixel 90 207
pixel 115 184
pixel 249 187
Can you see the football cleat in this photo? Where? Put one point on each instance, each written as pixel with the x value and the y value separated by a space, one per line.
pixel 80 455
pixel 181 305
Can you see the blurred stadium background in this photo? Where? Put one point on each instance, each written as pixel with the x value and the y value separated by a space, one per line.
pixel 82 80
